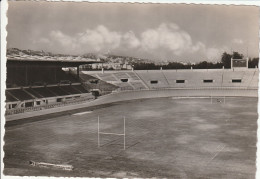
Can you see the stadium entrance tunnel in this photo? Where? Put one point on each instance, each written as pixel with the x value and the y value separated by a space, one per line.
pixel 154 81
pixel 207 81
pixel 180 81
pixel 236 80
pixel 28 104
pixel 124 80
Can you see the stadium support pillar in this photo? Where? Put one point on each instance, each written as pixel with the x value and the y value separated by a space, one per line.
pixel 124 133
pixel 223 67
pixel 161 68
pixel 55 74
pixel 78 72
pixel 98 133
pixel 102 70
pixel 26 75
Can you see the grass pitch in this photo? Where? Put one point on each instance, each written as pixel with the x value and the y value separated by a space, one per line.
pixel 165 137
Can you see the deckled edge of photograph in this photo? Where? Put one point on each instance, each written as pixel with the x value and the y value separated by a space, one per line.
pixel 4 22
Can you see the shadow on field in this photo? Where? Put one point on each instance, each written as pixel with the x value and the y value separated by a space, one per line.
pixel 55 115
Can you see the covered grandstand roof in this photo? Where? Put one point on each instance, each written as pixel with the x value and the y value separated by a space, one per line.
pixel 69 60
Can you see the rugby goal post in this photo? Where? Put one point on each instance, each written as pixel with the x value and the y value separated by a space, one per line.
pixel 109 133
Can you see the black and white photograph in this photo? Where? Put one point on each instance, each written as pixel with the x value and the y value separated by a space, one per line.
pixel 130 90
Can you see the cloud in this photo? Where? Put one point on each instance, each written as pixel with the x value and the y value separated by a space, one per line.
pixel 238 41
pixel 100 39
pixel 61 38
pixel 215 53
pixel 44 40
pixel 164 39
pixel 212 53
pixel 169 37
pixel 130 40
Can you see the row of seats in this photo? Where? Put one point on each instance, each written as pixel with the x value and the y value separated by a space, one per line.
pixel 93 82
pixel 220 78
pixel 125 86
pixel 20 94
pixel 9 97
pixel 138 85
pixel 120 75
pixel 116 78
pixel 181 78
pixel 43 92
pixel 133 75
pixel 106 77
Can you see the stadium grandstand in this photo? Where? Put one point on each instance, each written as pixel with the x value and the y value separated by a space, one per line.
pixel 38 82
pixel 158 79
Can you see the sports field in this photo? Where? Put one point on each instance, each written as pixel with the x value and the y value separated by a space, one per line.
pixel 165 137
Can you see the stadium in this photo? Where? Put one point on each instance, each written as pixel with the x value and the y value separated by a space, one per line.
pixel 192 123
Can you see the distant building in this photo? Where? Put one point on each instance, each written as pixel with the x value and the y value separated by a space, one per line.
pixel 113 65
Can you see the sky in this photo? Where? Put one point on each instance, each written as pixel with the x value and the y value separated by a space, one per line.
pixel 162 32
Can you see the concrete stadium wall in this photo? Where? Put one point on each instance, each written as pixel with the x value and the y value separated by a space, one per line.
pixel 193 78
pixel 142 94
pixel 131 95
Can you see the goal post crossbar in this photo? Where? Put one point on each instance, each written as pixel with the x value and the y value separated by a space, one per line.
pixel 107 133
pixel 110 133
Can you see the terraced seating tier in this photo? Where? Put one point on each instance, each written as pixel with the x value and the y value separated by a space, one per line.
pixel 101 84
pixel 254 80
pixel 71 90
pixel 19 77
pixel 133 76
pixel 34 93
pixel 20 94
pixel 44 92
pixel 193 78
pixel 9 98
pixel 153 75
pixel 228 76
pixel 125 86
pixel 58 91
pixel 106 77
pixel 80 88
pixel 138 85
pixel 121 75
